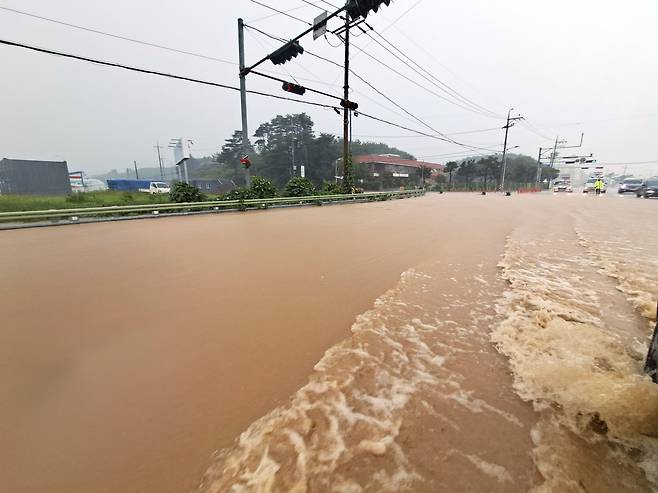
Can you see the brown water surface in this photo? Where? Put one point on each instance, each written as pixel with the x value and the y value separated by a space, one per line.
pixel 130 352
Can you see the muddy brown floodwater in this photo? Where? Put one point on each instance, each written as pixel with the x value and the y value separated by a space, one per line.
pixel 446 343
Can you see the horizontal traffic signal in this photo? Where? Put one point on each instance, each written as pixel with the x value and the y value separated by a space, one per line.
pixel 350 105
pixel 294 88
pixel 361 8
pixel 286 53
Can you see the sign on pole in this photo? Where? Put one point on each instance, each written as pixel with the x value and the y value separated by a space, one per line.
pixel 320 25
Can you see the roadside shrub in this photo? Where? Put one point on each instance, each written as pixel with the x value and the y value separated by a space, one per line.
pixel 127 197
pixel 332 188
pixel 237 194
pixel 299 186
pixel 76 198
pixel 262 188
pixel 184 192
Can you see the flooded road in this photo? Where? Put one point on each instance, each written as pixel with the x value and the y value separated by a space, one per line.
pixel 399 346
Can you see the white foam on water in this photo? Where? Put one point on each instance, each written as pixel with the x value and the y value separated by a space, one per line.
pixel 581 369
pixel 350 410
pixel 488 468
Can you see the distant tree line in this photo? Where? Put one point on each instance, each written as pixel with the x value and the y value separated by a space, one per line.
pixel 276 141
pixel 271 153
pixel 485 173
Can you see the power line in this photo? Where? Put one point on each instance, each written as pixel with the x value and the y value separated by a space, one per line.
pixel 281 12
pixel 207 83
pixel 154 72
pixel 418 84
pixel 416 131
pixel 628 163
pixel 117 36
pixel 448 134
pixel 531 128
pixel 456 154
pixel 439 83
pixel 444 137
pixel 317 6
pixel 450 101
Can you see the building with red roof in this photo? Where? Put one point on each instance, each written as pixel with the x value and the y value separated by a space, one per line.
pixel 391 172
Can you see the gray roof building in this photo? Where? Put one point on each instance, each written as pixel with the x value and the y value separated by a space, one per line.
pixel 26 177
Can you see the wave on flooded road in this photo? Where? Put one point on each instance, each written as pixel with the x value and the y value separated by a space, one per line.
pixel 576 348
pixel 347 415
pixel 391 408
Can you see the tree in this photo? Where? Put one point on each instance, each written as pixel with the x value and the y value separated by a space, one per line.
pixel 451 167
pixel 489 166
pixel 276 141
pixel 227 162
pixel 467 169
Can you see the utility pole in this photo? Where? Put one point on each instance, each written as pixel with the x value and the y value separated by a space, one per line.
pixel 347 161
pixel 157 146
pixel 554 155
pixel 510 123
pixel 354 10
pixel 136 173
pixel 243 101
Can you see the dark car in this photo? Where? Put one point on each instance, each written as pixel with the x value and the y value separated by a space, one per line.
pixel 648 189
pixel 630 185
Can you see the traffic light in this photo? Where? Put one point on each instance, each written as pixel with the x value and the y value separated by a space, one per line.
pixel 350 105
pixel 286 53
pixel 360 8
pixel 294 88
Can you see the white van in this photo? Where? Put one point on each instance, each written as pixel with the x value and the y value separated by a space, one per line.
pixel 157 187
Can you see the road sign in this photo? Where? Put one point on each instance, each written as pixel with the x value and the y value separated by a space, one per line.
pixel 320 25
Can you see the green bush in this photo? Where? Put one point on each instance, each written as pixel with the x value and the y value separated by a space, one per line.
pixel 127 197
pixel 262 188
pixel 76 198
pixel 299 186
pixel 237 194
pixel 332 188
pixel 184 192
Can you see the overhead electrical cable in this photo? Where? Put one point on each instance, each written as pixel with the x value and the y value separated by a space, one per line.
pixel 438 82
pixel 443 135
pixel 281 12
pixel 207 83
pixel 117 36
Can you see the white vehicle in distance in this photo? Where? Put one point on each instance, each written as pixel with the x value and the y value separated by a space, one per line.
pixel 562 186
pixel 156 187
pixel 590 186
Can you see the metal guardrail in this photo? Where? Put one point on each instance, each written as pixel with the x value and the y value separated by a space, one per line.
pixel 210 206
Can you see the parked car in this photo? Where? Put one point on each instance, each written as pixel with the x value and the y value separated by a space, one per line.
pixel 562 186
pixel 629 185
pixel 649 189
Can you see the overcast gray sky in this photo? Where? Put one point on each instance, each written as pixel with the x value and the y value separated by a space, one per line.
pixel 567 66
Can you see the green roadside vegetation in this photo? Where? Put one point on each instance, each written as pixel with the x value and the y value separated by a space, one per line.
pixel 260 188
pixel 16 203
